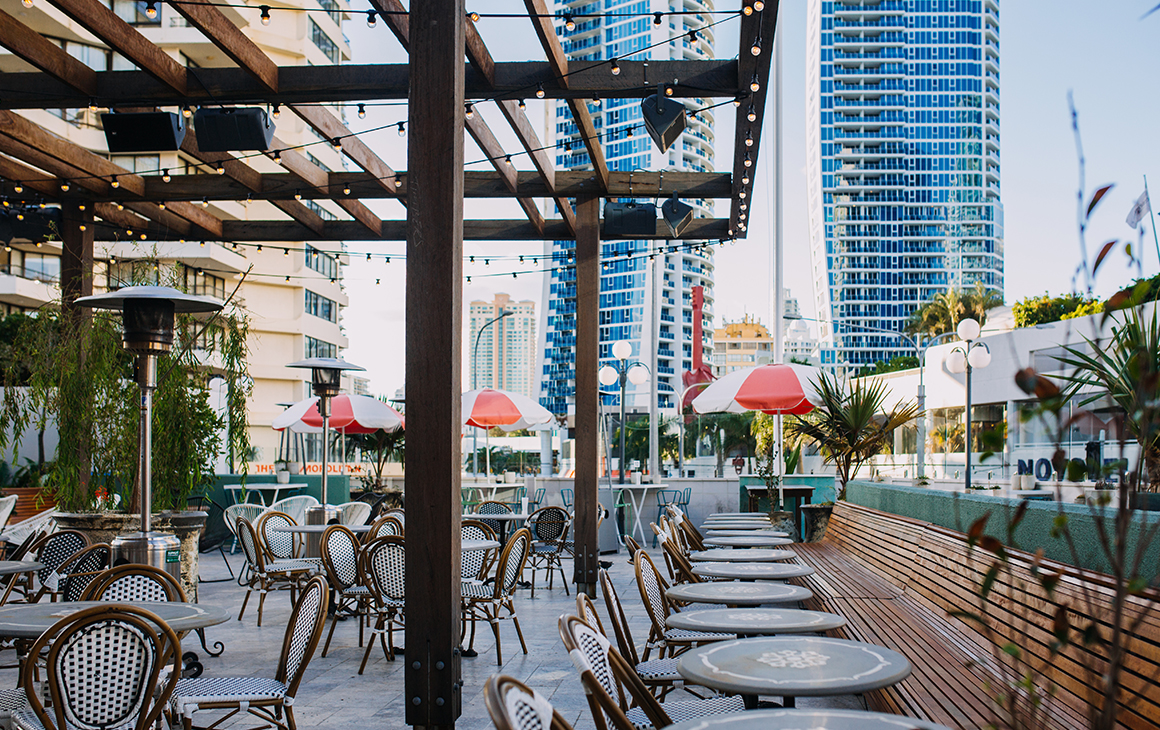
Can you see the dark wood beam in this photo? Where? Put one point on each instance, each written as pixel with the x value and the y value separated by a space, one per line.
pixel 46 55
pixel 763 24
pixel 102 22
pixel 17 127
pixel 76 257
pixel 312 182
pixel 377 82
pixel 329 126
pixel 587 552
pixel 540 157
pixel 433 358
pixel 565 78
pixel 700 229
pixel 36 182
pixel 477 53
pixel 219 29
pixel 491 148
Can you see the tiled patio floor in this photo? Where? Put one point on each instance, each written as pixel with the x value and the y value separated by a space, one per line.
pixel 333 695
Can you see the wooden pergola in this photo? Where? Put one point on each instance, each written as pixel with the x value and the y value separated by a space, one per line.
pixel 101 201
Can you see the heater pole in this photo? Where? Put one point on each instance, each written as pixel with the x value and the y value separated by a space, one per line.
pixel 324 410
pixel 147 379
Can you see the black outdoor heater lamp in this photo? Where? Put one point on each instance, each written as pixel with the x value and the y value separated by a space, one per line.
pixel 147 314
pixel 326 380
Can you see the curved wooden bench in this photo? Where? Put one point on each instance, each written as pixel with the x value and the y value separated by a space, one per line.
pixel 895 579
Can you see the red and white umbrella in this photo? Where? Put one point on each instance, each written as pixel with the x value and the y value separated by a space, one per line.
pixel 771 389
pixel 489 408
pixel 348 414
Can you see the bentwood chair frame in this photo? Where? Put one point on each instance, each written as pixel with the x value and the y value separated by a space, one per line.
pixel 384 566
pixel 52 551
pixel 135 584
pixel 270 700
pixel 492 507
pixel 490 603
pixel 652 587
pixel 475 565
pixel 513 705
pixel 341 559
pixel 614 691
pixel 20 582
pixel 384 526
pixel 285 575
pixel 692 535
pixel 252 512
pixel 91 675
pixel 277 544
pixel 81 569
pixel 549 528
pixel 680 569
pixel 657 674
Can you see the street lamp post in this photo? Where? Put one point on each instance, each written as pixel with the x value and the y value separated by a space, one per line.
pixel 474 376
pixel 634 372
pixel 966 357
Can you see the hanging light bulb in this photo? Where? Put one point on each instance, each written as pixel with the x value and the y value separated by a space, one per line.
pixel 692 35
pixel 748 10
pixel 508 160
pixel 474 16
pixel 657 19
pixel 18 188
pixel 398 183
pixel 64 186
pixel 93 106
pixel 630 133
pixel 539 91
pixel 752 115
pixel 748 138
pixel 298 195
pixel 372 19
pixel 468 110
pixel 569 23
pixel 120 206
pixel 285 252
pixel 161 205
pixel 742 194
pixel 151 9
pixel 277 157
pixel 745 179
pixel 755 49
pixel 568 146
pixel 748 162
pixel 259 248
pixel 368 257
pixel 522 105
pixel 165 175
pixel 336 143
pixel 758 5
pixel 615 67
pixel 402 129
pixel 26 3
pixel 362 111
pixel 221 169
pixel 186 111
pixel 264 15
pixel 277 111
pixel 205 202
pixel 346 190
pixel 754 84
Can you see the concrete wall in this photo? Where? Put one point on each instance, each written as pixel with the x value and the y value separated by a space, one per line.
pixel 706 496
pixel 957 511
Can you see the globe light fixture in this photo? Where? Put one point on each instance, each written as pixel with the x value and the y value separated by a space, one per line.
pixel 965 357
pixel 627 372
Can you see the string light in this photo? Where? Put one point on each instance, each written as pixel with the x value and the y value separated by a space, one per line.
pixel 18 188
pixel 377 282
pixel 758 5
pixel 205 202
pixel 402 129
pixel 165 175
pixel 468 110
pixel 745 179
pixel 63 188
pixel 755 49
pixel 221 169
pixel 298 195
pixel 752 115
pixel 186 111
pixel 277 157
pixel 656 19
pixel 259 248
pixel 285 252
pixel 372 19
pixel 508 160
pixel 362 111
pixel 474 16
pixel 754 84
pixel 26 3
pixel 368 257
pixel 569 23
pixel 692 35
pixel 161 205
pixel 522 105
pixel 93 106
pixel 346 190
pixel 539 91
pixel 151 9
pixel 748 162
pixel 748 138
pixel 748 10
pixel 336 143
pixel 615 67
pixel 277 111
pixel 264 16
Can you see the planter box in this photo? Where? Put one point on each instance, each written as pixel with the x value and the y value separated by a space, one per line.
pixel 104 526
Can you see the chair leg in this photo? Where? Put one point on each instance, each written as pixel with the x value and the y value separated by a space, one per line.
pixel 370 645
pixel 563 578
pixel 290 719
pixel 498 650
pixel 516 622
pixel 244 602
pixel 329 636
pixel 533 580
pixel 261 602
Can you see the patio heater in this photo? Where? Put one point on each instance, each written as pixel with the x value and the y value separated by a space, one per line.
pixel 147 314
pixel 326 380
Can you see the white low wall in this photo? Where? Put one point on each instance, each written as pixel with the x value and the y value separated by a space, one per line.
pixel 706 496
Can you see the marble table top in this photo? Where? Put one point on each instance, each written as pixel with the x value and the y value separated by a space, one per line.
pixel 30 620
pixel 752 571
pixel 820 719
pixel 747 541
pixel 739 594
pixel 756 621
pixel 714 532
pixel 727 555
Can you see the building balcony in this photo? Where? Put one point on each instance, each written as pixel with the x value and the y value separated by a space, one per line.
pixel 21 287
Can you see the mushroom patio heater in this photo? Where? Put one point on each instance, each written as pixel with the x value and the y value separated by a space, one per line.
pixel 147 314
pixel 326 380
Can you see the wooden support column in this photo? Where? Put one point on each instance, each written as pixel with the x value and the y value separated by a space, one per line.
pixel 434 331
pixel 587 561
pixel 76 256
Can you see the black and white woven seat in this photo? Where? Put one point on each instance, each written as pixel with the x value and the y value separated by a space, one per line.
pixel 287 575
pixel 549 527
pixel 476 564
pixel 81 569
pixel 134 584
pixel 493 603
pixel 659 674
pixel 515 706
pixel 278 544
pixel 384 563
pixel 652 589
pixel 492 508
pixel 270 700
pixel 104 667
pixel 340 557
pixel 612 686
pixel 384 526
pixel 52 551
pixel 11 701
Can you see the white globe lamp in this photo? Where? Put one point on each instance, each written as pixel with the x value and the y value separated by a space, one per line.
pixel 956 361
pixel 608 375
pixel 968 329
pixel 638 374
pixel 622 349
pixel 980 356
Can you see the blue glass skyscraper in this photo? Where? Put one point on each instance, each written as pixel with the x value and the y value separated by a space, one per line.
pixel 645 300
pixel 902 161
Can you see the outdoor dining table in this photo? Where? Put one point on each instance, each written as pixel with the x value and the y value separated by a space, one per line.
pixel 738 594
pixel 793 666
pixel 504 518
pixel 29 620
pixel 10 567
pixel 820 719
pixel 725 555
pixel 636 494
pixel 752 571
pixel 471 544
pixel 736 525
pixel 314 544
pixel 755 621
pixel 734 514
pixel 714 532
pixel 747 541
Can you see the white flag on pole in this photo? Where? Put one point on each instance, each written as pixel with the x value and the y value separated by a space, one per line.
pixel 1142 208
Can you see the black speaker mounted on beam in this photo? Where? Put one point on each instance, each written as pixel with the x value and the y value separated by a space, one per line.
pixel 143 131
pixel 677 214
pixel 664 118
pixel 238 129
pixel 628 220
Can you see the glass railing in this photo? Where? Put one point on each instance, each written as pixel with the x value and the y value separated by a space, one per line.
pixel 887 100
pixel 25 272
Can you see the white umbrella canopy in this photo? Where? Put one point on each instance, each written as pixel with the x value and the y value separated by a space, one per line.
pixel 490 408
pixel 773 389
pixel 348 413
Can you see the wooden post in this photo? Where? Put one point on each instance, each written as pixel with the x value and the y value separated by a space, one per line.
pixel 76 256
pixel 434 330
pixel 587 561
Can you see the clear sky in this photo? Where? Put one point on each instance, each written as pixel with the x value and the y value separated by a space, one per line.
pixel 1104 54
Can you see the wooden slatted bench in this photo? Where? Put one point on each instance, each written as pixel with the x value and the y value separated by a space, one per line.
pixel 895 579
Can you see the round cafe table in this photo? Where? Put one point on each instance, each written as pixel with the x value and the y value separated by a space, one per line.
pixel 10 567
pixel 793 666
pixel 317 529
pixel 752 571
pixel 724 555
pixel 756 621
pixel 820 719
pixel 736 525
pixel 470 545
pixel 714 532
pixel 747 541
pixel 738 594
pixel 719 515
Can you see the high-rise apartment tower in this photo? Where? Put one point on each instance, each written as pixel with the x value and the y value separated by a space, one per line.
pixel 503 353
pixel 902 105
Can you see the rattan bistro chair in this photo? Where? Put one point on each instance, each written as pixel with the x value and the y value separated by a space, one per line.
pixel 652 592
pixel 340 556
pixel 549 527
pixel 385 526
pixel 78 571
pixel 384 565
pixel 659 674
pixel 492 508
pixel 52 551
pixel 104 668
pixel 277 544
pixel 231 514
pixel 263 576
pixel 490 603
pixel 515 706
pixel 616 693
pixel 476 564
pixel 270 700
pixel 134 584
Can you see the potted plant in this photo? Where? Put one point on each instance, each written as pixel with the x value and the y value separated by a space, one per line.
pixel 282 471
pixel 71 370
